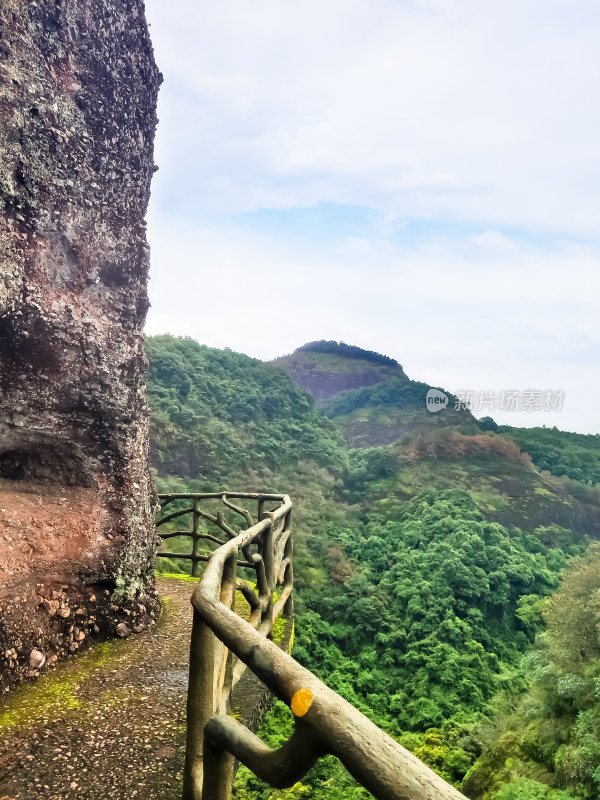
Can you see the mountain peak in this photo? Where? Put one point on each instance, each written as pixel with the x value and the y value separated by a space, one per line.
pixel 324 368
pixel 346 351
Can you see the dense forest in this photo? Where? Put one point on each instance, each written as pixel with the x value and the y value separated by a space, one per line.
pixel 445 584
pixel 347 351
pixel 576 455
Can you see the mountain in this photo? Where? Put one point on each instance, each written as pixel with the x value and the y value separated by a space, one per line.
pixel 368 395
pixel 575 455
pixel 422 566
pixel 219 417
pixel 325 368
pixel 502 480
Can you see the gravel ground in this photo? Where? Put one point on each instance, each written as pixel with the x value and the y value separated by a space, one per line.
pixel 107 724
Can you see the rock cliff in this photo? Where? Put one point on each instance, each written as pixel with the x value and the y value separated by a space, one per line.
pixel 78 88
pixel 325 368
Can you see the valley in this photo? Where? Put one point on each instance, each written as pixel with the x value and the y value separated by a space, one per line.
pixel 428 549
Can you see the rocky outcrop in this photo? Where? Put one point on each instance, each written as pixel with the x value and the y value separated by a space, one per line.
pixel 331 368
pixel 78 87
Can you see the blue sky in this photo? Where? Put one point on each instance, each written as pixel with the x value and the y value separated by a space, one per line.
pixel 418 178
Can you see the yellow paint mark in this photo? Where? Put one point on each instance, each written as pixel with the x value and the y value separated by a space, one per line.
pixel 301 702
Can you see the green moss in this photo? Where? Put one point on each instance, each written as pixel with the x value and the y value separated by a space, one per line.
pixel 180 576
pixel 53 693
pixel 279 630
pixel 117 695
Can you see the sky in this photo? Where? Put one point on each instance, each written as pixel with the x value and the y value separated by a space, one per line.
pixel 417 178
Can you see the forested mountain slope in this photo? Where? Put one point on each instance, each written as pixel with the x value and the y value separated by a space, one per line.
pixel 575 455
pixel 219 416
pixel 368 395
pixel 544 743
pixel 422 566
pixel 500 478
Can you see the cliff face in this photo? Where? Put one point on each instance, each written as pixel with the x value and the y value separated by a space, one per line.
pixel 78 88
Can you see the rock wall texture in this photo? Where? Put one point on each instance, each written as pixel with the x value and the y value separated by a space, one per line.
pixel 78 88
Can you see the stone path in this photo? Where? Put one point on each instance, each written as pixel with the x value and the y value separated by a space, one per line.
pixel 107 724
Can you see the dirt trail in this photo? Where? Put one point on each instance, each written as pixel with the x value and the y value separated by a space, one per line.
pixel 109 723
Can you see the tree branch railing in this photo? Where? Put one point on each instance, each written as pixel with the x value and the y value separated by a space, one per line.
pixel 224 644
pixel 198 513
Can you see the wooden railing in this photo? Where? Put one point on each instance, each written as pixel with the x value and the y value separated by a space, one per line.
pixel 224 644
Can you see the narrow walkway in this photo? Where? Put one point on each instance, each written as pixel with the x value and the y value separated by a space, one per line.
pixel 107 724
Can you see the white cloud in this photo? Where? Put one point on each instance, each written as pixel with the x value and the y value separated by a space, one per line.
pixel 470 110
pixel 493 240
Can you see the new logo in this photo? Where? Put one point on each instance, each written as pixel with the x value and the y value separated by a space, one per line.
pixel 436 400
